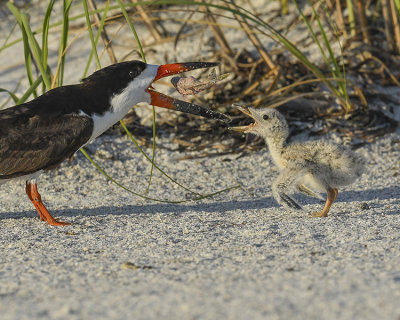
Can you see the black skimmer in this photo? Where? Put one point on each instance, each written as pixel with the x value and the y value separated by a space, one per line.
pixel 40 134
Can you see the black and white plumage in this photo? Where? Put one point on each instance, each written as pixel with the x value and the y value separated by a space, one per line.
pixel 305 166
pixel 40 134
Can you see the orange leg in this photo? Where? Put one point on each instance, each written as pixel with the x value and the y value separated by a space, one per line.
pixel 331 197
pixel 34 196
pixel 28 192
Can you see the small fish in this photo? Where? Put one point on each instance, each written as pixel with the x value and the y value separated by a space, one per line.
pixel 187 86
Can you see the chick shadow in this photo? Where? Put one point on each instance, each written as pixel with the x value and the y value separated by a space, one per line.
pixel 218 206
pixel 386 193
pixel 374 197
pixel 371 196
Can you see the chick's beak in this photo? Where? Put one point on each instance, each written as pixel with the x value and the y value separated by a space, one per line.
pixel 248 128
pixel 161 100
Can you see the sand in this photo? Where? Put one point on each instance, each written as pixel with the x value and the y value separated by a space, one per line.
pixel 237 255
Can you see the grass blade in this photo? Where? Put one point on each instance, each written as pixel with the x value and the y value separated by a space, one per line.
pixel 153 108
pixel 89 26
pixel 155 165
pixel 12 95
pixel 35 51
pixel 397 3
pixel 352 18
pixel 45 34
pixel 149 198
pixel 329 60
pixel 121 6
pixel 99 31
pixel 31 89
pixel 63 41
pixel 27 50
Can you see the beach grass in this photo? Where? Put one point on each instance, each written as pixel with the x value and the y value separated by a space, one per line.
pixel 324 31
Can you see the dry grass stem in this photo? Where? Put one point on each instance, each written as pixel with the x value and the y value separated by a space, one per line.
pixel 254 39
pixel 363 21
pixel 396 25
pixel 339 18
pixel 220 37
pixel 104 35
pixel 148 21
pixel 388 23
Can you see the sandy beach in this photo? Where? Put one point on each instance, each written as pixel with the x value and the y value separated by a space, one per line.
pixel 237 255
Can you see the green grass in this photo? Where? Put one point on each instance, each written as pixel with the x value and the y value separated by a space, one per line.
pixel 326 50
pixel 40 75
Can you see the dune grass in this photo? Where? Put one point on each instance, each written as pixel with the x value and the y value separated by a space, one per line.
pixel 333 74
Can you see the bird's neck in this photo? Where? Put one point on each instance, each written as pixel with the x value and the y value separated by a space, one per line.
pixel 275 146
pixel 119 106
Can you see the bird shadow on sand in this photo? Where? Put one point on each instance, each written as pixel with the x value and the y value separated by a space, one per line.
pixel 387 193
pixel 218 206
pixel 157 208
pixel 387 198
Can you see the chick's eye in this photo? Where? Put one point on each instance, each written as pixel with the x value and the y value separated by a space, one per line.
pixel 265 117
pixel 131 74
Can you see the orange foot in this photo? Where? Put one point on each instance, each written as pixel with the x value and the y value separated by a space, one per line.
pixel 34 196
pixel 331 197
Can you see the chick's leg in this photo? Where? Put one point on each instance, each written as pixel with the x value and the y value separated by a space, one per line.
pixel 331 197
pixel 283 188
pixel 307 191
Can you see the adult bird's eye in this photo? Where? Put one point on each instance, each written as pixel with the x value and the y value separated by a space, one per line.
pixel 131 74
pixel 265 117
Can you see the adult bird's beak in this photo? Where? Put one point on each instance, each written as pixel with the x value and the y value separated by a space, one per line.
pixel 247 112
pixel 161 100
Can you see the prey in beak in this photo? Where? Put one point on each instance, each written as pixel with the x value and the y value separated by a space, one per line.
pixel 249 128
pixel 161 100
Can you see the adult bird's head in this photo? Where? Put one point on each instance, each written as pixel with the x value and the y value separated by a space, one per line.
pixel 128 83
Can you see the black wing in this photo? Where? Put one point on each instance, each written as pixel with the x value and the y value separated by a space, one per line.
pixel 32 141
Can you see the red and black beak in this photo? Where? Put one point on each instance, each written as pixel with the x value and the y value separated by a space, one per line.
pixel 161 100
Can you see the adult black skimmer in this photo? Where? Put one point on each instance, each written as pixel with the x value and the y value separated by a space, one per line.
pixel 40 134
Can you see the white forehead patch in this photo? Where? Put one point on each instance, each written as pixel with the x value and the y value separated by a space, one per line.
pixel 135 91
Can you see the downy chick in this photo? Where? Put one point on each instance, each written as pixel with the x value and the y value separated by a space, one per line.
pixel 305 166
